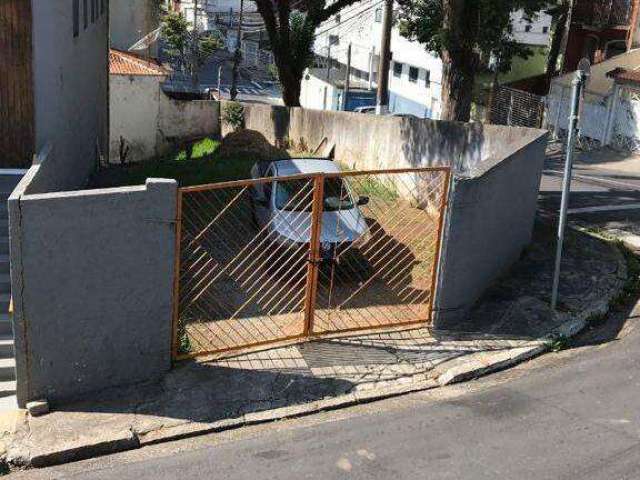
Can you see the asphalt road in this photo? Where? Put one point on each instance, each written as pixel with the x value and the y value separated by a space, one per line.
pixel 574 414
pixel 605 189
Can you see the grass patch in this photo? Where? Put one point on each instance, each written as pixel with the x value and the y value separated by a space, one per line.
pixel 631 289
pixel 558 343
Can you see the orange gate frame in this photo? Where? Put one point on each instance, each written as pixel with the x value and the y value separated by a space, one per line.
pixel 314 259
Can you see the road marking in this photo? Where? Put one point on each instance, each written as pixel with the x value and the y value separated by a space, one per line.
pixel 598 179
pixel 605 208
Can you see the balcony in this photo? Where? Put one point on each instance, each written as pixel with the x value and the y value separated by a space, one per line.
pixel 603 14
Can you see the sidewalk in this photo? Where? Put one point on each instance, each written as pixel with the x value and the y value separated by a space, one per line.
pixel 511 323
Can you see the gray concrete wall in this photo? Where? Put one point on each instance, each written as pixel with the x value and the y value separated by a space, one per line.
pixel 71 91
pixel 91 275
pixel 490 221
pixel 181 120
pixel 368 142
pixel 135 110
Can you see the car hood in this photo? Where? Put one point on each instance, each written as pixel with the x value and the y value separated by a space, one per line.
pixel 339 226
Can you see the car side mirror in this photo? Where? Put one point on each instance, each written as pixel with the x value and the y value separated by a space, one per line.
pixel 362 200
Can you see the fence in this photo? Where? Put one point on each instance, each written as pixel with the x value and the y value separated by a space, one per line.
pixel 282 258
pixel 516 108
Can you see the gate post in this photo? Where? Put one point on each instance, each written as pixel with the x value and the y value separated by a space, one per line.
pixel 314 253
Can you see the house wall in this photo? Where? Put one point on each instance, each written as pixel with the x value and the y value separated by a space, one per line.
pixel 625 132
pixel 316 93
pixel 150 123
pixel 91 275
pixel 131 20
pixel 70 88
pixel 135 109
pixel 489 222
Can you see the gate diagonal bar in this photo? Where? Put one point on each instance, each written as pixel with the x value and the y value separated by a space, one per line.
pixel 281 259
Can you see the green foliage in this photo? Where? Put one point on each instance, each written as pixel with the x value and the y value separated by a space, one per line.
pixel 188 48
pixel 301 40
pixel 486 25
pixel 233 115
pixel 558 343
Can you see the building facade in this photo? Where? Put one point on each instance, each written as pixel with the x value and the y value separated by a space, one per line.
pixel 61 62
pixel 415 76
pixel 601 29
pixel 131 20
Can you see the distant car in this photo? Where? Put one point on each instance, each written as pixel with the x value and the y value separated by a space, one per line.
pixel 367 109
pixel 405 115
pixel 283 207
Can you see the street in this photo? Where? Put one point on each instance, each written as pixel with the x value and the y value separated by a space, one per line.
pixel 605 189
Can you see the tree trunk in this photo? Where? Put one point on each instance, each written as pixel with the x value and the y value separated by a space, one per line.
pixel 556 41
pixel 291 84
pixel 459 61
pixel 458 78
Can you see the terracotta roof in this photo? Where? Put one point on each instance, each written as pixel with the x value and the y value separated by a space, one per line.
pixel 122 63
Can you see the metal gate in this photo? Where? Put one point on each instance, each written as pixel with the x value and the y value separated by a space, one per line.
pixel 283 258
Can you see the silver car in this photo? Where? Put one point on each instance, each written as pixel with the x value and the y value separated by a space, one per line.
pixel 283 208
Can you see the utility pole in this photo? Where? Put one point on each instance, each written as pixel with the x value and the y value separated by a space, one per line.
pixel 195 78
pixel 329 59
pixel 372 55
pixel 347 80
pixel 578 83
pixel 219 82
pixel 238 55
pixel 382 103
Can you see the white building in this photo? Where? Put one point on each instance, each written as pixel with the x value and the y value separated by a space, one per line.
pixel 209 9
pixel 415 74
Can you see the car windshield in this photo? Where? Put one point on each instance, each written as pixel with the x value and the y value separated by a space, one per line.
pixel 296 195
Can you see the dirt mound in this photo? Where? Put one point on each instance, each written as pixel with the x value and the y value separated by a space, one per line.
pixel 249 142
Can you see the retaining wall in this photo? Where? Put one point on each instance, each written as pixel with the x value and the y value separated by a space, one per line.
pixel 91 276
pixel 489 222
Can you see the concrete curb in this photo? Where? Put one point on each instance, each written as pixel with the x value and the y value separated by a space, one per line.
pixel 480 364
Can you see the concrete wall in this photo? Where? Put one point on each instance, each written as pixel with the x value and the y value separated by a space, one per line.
pixel 150 123
pixel 71 89
pixel 131 20
pixel 490 221
pixel 135 109
pixel 367 142
pixel 91 275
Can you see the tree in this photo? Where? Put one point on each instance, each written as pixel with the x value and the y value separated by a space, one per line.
pixel 291 27
pixel 462 32
pixel 560 16
pixel 186 46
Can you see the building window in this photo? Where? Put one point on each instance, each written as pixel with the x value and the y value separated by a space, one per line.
pixel 76 18
pixel 527 28
pixel 413 74
pixel 397 69
pixel 427 79
pixel 338 18
pixel 93 11
pixel 378 15
pixel 545 29
pixel 85 13
pixel 334 40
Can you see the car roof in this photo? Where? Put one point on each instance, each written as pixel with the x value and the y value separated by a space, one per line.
pixel 296 166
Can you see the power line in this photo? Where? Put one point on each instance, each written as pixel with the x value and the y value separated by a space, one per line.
pixel 342 22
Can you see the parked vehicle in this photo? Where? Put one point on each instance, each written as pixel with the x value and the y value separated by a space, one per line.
pixel 284 207
pixel 367 109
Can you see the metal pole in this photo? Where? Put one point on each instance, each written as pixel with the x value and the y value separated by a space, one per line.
pixel 329 59
pixel 382 103
pixel 220 82
pixel 347 84
pixel 372 54
pixel 578 84
pixel 238 55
